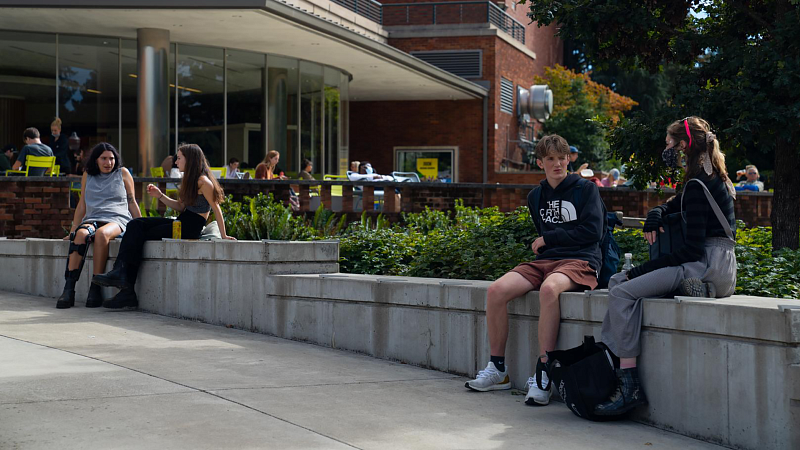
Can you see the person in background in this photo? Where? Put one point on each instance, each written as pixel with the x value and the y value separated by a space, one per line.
pixel 573 157
pixel 33 147
pixel 612 178
pixel 751 183
pixel 233 169
pixel 168 164
pixel 60 146
pixel 6 156
pixel 305 173
pixel 354 165
pixel 265 170
pixel 368 173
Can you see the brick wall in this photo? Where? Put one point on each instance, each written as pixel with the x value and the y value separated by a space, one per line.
pixel 34 208
pixel 38 207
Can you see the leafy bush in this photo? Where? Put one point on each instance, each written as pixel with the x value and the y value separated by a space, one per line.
pixel 477 244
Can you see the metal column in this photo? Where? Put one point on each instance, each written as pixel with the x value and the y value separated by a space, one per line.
pixel 153 96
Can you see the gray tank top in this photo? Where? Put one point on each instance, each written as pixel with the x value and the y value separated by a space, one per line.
pixel 200 206
pixel 106 199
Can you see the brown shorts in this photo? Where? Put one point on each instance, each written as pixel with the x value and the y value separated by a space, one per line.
pixel 578 271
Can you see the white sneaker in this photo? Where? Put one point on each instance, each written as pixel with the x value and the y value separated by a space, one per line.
pixel 536 396
pixel 489 379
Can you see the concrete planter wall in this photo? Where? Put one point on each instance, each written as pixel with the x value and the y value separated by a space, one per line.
pixel 726 371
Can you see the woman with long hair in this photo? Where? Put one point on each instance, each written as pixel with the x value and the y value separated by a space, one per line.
pixel 106 207
pixel 265 170
pixel 199 194
pixel 705 266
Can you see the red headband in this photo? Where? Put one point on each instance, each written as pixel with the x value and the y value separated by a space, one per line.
pixel 686 123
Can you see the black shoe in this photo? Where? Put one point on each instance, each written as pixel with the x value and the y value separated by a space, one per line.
pixel 124 298
pixel 67 298
pixel 95 298
pixel 117 277
pixel 629 394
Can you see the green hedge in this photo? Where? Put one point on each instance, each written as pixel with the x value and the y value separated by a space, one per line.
pixel 477 244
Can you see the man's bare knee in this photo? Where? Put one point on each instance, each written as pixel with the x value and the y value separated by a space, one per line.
pixel 80 236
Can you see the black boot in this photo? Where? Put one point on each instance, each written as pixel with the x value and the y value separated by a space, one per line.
pixel 126 297
pixel 629 394
pixel 95 298
pixel 67 299
pixel 117 277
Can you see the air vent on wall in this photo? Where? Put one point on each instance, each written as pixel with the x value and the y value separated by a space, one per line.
pixel 506 96
pixel 464 63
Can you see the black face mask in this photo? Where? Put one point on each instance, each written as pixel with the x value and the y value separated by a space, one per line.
pixel 671 157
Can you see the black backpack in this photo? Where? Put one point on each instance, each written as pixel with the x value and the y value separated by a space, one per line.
pixel 584 377
pixel 610 251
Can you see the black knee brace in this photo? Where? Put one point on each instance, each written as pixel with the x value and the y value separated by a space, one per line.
pixel 80 248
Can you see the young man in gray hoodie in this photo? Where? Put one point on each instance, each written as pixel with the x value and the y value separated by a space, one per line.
pixel 568 259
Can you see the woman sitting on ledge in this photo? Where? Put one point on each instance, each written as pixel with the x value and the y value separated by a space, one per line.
pixel 106 206
pixel 198 195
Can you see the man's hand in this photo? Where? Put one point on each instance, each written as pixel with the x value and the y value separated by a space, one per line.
pixel 537 244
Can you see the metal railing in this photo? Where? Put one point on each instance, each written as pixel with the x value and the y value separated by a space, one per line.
pixel 437 13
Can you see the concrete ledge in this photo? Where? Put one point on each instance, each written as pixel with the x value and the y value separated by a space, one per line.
pixel 725 371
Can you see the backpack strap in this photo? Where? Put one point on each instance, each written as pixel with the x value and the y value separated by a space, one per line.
pixel 717 212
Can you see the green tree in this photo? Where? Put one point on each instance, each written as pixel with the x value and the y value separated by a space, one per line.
pixel 739 68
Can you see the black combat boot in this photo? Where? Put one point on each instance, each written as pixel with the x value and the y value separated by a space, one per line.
pixel 629 394
pixel 117 277
pixel 95 298
pixel 67 299
pixel 126 297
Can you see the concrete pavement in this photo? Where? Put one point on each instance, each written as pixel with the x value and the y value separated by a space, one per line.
pixel 95 378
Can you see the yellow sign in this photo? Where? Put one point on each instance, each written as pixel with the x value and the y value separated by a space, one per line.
pixel 428 167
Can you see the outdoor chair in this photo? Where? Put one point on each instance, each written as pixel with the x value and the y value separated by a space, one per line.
pixel 358 191
pixel 406 177
pixel 48 162
pixel 219 172
pixel 336 191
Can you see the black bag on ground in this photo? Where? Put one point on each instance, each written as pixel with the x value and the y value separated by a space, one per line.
pixel 584 377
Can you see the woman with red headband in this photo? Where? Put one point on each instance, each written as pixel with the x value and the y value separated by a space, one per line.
pixel 705 266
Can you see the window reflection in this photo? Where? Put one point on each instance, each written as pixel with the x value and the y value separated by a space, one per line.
pixel 311 113
pixel 282 111
pixel 200 99
pixel 246 72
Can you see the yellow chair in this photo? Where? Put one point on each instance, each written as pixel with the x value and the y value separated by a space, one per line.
pixel 335 190
pixel 46 162
pixel 157 172
pixel 219 172
pixel 252 173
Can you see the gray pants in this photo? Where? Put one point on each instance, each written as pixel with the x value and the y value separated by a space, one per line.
pixel 622 326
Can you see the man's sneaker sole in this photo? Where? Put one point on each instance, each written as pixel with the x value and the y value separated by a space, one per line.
pixel 494 387
pixel 530 401
pixel 695 287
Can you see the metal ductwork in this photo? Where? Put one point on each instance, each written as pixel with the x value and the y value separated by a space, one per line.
pixel 536 102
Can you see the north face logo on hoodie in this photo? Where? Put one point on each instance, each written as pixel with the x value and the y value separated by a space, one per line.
pixel 558 211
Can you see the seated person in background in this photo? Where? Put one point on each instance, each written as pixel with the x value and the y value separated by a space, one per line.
pixel 751 183
pixel 307 167
pixel 265 170
pixel 106 206
pixel 33 147
pixel 354 166
pixel 366 172
pixel 588 174
pixel 6 156
pixel 80 164
pixel 167 164
pixel 612 178
pixel 573 156
pixel 233 169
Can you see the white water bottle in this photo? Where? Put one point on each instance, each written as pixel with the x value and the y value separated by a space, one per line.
pixel 628 262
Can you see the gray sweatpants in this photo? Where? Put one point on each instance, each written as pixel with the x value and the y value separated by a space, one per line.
pixel 622 326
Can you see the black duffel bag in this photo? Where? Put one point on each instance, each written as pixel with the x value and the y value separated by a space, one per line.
pixel 584 377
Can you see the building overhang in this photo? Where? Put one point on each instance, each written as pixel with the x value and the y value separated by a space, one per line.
pixel 379 72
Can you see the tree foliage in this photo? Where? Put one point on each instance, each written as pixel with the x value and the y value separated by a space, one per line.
pixel 577 100
pixel 739 68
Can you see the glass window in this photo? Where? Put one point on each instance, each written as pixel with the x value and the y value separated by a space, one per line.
pixel 200 100
pixel 27 84
pixel 282 111
pixel 89 89
pixel 344 128
pixel 431 164
pixel 311 138
pixel 332 122
pixel 130 116
pixel 246 73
